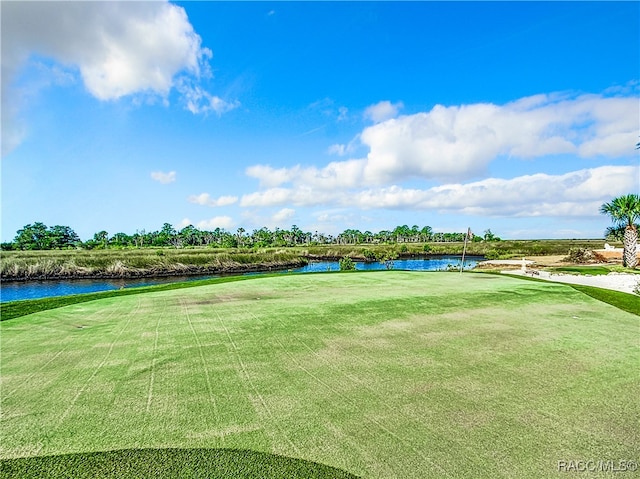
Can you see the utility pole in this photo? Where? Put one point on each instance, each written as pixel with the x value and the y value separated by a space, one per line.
pixel 464 249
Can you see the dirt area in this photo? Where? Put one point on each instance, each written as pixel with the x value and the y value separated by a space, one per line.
pixel 624 282
pixel 535 262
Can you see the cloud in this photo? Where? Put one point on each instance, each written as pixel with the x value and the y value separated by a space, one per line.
pixel 337 149
pixel 283 215
pixel 183 224
pixel 269 176
pixel 223 222
pixel 382 111
pixel 337 174
pixel 205 199
pixel 197 100
pixel 164 178
pixel 118 49
pixel 341 149
pixel 457 143
pixel 578 193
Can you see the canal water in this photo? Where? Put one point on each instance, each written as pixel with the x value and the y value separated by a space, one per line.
pixel 12 291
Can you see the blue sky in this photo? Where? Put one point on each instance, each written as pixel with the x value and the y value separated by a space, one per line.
pixel 520 117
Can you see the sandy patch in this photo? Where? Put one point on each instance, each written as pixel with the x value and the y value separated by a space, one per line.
pixel 625 282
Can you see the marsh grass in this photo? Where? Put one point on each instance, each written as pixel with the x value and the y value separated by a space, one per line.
pixel 137 262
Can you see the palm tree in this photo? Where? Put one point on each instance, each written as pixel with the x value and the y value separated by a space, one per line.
pixel 625 211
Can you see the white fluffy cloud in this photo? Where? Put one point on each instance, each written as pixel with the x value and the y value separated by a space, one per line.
pixel 223 222
pixel 118 48
pixel 337 174
pixel 382 111
pixel 457 143
pixel 282 216
pixel 578 193
pixel 205 199
pixel 164 178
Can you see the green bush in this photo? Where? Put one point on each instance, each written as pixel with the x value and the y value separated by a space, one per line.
pixel 369 255
pixel 347 264
pixel 492 254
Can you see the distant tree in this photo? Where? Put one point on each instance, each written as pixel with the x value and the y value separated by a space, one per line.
pixel 262 238
pixel 59 237
pixel 426 233
pixel 625 211
pixel 31 236
pixel 402 233
pixel 38 236
pixel 101 238
pixel 240 236
pixel 138 238
pixel 489 236
pixel 121 240
pixel 189 235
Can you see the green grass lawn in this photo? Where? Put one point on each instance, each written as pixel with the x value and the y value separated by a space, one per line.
pixel 593 270
pixel 385 374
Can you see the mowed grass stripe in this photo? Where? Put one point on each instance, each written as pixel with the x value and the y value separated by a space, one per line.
pixel 392 374
pixel 339 389
pixel 153 361
pixel 260 406
pixel 329 428
pixel 203 361
pixel 13 384
pixel 422 456
pixel 349 381
pixel 101 365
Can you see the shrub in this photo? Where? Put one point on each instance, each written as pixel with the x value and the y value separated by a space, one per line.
pixel 347 264
pixel 492 254
pixel 369 255
pixel 581 255
pixel 388 258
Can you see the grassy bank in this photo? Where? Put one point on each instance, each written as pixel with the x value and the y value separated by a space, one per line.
pixel 386 374
pixel 497 249
pixel 115 263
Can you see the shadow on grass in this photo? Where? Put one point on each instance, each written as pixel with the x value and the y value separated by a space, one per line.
pixel 168 463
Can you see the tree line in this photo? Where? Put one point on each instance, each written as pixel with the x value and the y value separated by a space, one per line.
pixel 38 236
